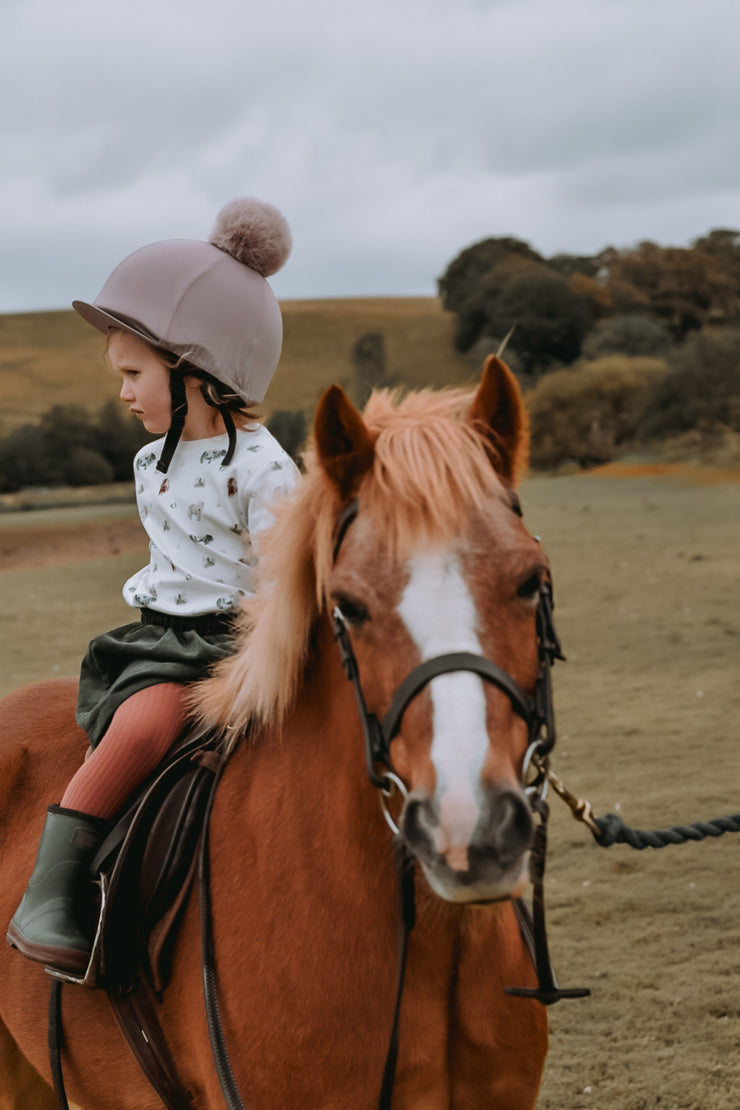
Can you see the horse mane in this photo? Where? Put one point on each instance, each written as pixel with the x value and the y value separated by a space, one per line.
pixel 431 468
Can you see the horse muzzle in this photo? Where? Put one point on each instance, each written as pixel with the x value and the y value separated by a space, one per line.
pixel 471 855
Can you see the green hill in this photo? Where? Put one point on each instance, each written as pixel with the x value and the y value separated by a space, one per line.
pixel 49 358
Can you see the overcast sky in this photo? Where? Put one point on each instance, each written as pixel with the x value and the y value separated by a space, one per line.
pixel 392 133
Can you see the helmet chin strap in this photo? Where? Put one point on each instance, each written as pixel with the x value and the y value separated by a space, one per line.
pixel 179 407
pixel 179 404
pixel 228 420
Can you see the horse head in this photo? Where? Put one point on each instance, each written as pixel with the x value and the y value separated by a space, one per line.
pixel 436 562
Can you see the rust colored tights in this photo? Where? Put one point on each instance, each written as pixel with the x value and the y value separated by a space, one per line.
pixel 138 737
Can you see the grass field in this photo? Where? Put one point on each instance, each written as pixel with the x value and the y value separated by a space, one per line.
pixel 645 572
pixel 49 358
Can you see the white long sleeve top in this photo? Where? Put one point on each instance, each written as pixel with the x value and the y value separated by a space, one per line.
pixel 203 520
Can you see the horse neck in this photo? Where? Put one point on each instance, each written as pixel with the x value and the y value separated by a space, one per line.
pixel 324 724
pixel 313 765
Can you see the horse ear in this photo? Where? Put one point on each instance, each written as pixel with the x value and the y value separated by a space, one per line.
pixel 498 412
pixel 345 447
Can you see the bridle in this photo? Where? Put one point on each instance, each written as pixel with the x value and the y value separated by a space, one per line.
pixel 538 713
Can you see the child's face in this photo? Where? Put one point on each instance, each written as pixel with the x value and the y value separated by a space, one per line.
pixel 146 380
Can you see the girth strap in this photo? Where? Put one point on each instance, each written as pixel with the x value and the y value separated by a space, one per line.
pixel 137 1018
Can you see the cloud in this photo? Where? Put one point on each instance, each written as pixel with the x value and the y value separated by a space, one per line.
pixel 392 134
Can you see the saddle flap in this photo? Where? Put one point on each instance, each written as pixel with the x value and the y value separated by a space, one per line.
pixel 149 858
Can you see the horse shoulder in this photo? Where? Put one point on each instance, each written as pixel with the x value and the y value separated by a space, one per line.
pixel 500 1041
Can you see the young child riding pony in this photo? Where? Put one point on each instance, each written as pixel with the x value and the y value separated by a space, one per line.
pixel 195 333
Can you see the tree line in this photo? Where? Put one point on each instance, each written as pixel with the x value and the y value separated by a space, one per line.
pixel 617 349
pixel 70 446
pixel 625 347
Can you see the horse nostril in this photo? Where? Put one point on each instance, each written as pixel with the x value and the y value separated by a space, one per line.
pixel 418 825
pixel 510 823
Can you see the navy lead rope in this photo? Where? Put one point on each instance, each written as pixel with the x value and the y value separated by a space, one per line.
pixel 612 830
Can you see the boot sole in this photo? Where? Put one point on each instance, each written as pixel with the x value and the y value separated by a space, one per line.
pixel 66 959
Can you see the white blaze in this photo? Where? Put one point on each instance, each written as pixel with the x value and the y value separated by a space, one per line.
pixel 438 611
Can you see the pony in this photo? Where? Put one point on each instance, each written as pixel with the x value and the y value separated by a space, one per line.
pixel 434 558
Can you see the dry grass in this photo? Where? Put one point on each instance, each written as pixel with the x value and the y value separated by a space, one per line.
pixel 51 358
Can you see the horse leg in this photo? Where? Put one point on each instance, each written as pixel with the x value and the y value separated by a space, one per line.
pixel 498 1043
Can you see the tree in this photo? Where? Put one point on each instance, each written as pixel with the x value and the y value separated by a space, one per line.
pixel 118 437
pixel 569 264
pixel 549 318
pixel 629 334
pixel 686 288
pixel 723 244
pixel 289 429
pixel 68 447
pixel 464 275
pixel 369 366
pixel 497 283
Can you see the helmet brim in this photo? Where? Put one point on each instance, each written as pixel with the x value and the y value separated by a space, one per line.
pixel 108 322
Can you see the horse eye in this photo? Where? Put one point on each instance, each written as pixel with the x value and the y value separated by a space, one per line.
pixel 530 588
pixel 353 611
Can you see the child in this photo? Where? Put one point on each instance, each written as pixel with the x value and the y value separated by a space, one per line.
pixel 195 333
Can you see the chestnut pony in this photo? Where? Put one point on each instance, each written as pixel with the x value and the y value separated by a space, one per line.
pixel 305 904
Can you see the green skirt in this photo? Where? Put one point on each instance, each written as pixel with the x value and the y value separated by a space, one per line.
pixel 160 648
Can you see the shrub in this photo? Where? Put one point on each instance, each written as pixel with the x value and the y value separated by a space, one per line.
pixel 702 387
pixel 23 459
pixel 628 334
pixel 289 429
pixel 585 413
pixel 118 437
pixel 69 447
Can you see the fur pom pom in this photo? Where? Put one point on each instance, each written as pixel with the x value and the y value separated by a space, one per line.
pixel 254 233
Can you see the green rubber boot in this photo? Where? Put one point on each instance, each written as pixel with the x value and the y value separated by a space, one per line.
pixel 45 926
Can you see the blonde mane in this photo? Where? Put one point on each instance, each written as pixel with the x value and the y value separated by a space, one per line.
pixel 431 469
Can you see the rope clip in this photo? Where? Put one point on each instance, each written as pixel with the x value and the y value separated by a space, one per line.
pixel 580 808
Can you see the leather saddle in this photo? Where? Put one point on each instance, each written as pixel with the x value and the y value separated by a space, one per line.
pixel 145 869
pixel 143 873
